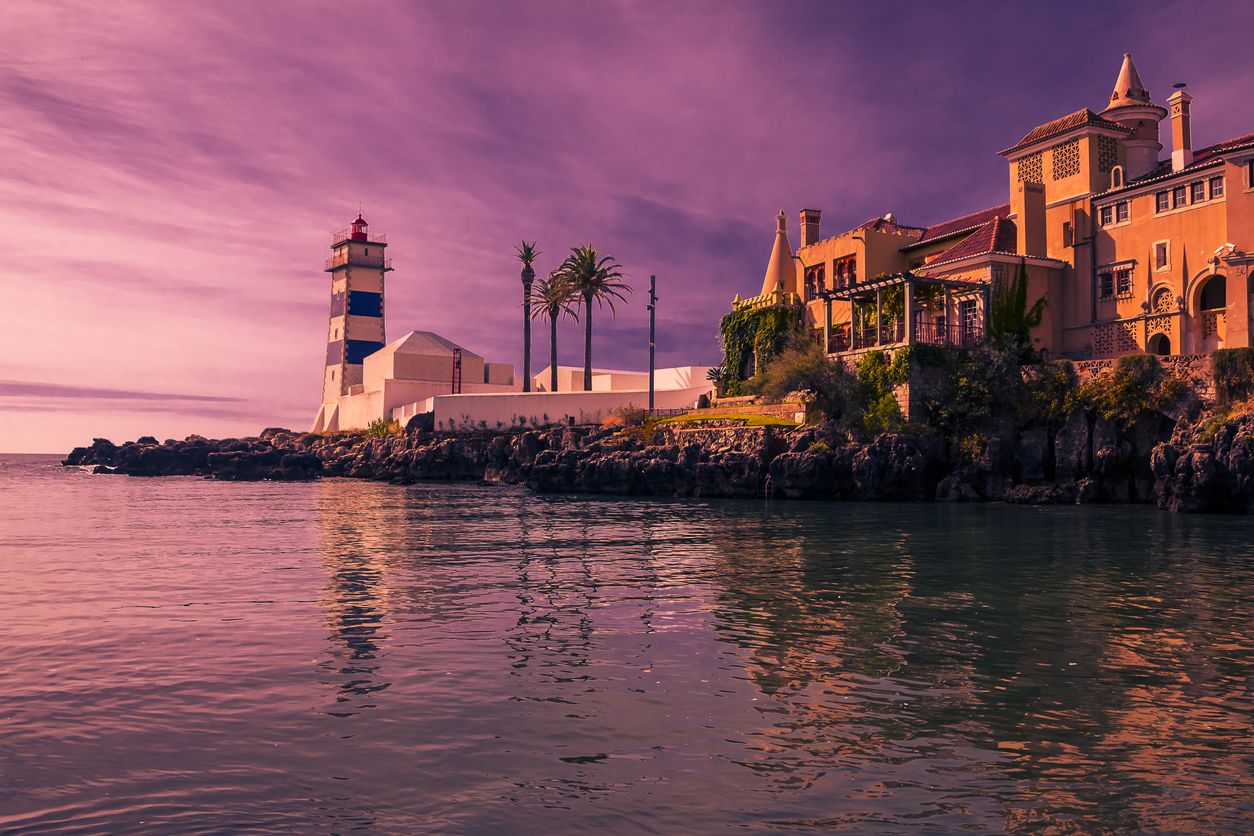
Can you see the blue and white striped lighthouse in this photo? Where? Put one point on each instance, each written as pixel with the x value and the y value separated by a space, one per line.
pixel 357 266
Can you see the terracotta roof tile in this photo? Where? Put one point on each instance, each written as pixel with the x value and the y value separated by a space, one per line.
pixel 884 225
pixel 999 235
pixel 957 226
pixel 1061 126
pixel 1201 159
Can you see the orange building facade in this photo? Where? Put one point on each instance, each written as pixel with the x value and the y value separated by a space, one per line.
pixel 1133 250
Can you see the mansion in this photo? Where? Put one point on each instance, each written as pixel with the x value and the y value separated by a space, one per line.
pixel 1132 252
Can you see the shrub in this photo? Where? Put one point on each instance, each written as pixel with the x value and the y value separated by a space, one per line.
pixel 1050 395
pixel 1138 385
pixel 1234 374
pixel 627 415
pixel 803 366
pixel 382 427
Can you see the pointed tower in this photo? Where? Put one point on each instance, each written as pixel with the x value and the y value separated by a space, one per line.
pixel 357 266
pixel 1131 107
pixel 781 271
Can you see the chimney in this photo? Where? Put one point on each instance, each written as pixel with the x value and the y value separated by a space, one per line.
pixel 1027 202
pixel 810 226
pixel 1181 133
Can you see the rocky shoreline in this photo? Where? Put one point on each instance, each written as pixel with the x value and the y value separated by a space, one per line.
pixel 1176 465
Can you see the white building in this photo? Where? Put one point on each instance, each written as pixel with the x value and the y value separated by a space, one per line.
pixel 365 380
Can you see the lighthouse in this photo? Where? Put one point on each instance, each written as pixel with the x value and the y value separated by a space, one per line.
pixel 357 266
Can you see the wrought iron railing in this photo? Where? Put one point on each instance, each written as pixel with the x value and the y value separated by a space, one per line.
pixel 893 333
pixel 357 260
pixel 964 336
pixel 346 234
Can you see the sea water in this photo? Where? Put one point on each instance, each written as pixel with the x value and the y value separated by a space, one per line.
pixel 185 656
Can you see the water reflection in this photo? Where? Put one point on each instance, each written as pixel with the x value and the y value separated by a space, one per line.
pixel 351 540
pixel 878 666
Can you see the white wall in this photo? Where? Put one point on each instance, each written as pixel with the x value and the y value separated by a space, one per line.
pixel 551 407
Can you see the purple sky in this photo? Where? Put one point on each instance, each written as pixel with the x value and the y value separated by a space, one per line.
pixel 171 171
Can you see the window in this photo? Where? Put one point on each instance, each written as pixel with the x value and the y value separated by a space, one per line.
pixel 1123 282
pixel 1066 233
pixel 333 374
pixel 967 320
pixel 815 277
pixel 845 271
pixel 1216 187
pixel 1162 201
pixel 1179 197
pixel 1106 284
pixel 1121 212
pixel 1198 191
pixel 1160 255
pixel 1106 215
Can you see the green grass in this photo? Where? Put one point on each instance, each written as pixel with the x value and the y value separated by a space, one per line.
pixel 746 420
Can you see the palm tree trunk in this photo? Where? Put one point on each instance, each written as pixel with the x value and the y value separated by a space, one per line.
pixel 553 352
pixel 587 344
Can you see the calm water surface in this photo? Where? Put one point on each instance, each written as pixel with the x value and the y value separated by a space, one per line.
pixel 193 657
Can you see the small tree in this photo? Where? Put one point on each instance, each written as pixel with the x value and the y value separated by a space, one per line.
pixel 803 366
pixel 1010 321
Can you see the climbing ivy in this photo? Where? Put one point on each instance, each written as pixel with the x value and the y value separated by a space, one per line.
pixel 758 331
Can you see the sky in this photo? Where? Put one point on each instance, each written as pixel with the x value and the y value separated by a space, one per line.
pixel 171 172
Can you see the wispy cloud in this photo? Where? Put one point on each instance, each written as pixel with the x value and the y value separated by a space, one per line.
pixel 171 170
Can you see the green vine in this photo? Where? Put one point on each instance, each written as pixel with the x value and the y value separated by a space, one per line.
pixel 761 332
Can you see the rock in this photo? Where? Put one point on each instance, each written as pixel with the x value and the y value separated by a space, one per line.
pixel 1032 455
pixel 1072 452
pixel 801 475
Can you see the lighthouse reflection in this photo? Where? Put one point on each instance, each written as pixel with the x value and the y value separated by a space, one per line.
pixel 354 599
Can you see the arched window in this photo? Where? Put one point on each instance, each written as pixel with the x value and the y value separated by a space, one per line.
pixel 1159 344
pixel 1214 294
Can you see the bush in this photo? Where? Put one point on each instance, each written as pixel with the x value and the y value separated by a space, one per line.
pixel 1049 396
pixel 627 415
pixel 803 366
pixel 1138 385
pixel 1234 374
pixel 382 427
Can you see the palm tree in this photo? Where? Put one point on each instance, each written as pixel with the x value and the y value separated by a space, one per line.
pixel 593 277
pixel 527 254
pixel 553 299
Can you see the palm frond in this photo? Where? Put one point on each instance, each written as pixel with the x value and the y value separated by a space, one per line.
pixel 527 253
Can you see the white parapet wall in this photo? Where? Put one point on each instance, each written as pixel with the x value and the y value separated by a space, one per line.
pixel 509 409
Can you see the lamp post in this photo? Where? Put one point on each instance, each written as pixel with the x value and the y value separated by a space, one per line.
pixel 652 333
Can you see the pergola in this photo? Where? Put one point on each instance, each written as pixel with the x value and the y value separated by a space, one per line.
pixel 904 332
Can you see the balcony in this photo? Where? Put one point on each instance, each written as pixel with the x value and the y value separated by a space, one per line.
pixel 346 234
pixel 344 257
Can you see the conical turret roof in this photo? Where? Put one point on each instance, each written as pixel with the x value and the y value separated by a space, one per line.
pixel 781 268
pixel 1129 89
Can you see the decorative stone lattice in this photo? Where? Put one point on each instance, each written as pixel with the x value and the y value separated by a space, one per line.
pixel 1164 302
pixel 1030 170
pixel 1107 154
pixel 1127 337
pixel 1066 159
pixel 1159 325
pixel 1211 323
pixel 1104 339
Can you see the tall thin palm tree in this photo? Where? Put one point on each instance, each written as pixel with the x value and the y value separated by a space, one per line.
pixel 527 254
pixel 593 276
pixel 554 299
